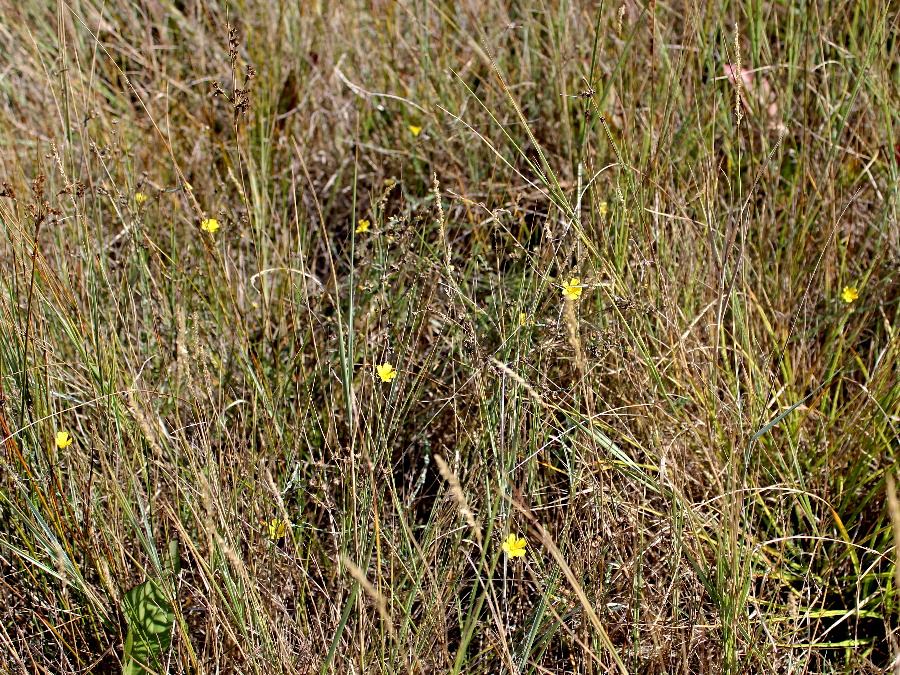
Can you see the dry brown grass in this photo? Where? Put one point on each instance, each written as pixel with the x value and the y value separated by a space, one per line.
pixel 696 450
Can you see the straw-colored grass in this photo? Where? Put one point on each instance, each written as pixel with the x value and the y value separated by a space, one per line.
pixel 697 444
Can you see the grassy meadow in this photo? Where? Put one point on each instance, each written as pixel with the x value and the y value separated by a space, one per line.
pixel 474 337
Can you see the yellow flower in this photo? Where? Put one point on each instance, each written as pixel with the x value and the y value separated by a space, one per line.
pixel 523 318
pixel 277 528
pixel 63 439
pixel 362 226
pixel 209 225
pixel 386 372
pixel 572 288
pixel 603 209
pixel 140 198
pixel 414 130
pixel 849 294
pixel 514 546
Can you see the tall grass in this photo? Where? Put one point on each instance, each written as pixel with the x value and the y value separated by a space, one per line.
pixel 699 450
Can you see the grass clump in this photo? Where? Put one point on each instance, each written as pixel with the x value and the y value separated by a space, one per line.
pixel 450 337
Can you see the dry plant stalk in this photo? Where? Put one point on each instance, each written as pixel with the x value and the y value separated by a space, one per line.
pixel 458 495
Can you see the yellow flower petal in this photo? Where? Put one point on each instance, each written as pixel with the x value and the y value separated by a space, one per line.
pixel 277 528
pixel 386 372
pixel 514 546
pixel 572 289
pixel 63 439
pixel 849 294
pixel 210 225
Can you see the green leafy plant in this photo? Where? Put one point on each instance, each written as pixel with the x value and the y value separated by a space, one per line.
pixel 151 619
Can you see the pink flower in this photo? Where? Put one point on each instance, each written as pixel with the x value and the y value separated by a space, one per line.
pixel 746 75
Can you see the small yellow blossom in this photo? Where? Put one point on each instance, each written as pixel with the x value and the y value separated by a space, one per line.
pixel 362 226
pixel 386 372
pixel 277 528
pixel 514 546
pixel 572 289
pixel 63 439
pixel 414 130
pixel 140 198
pixel 209 225
pixel 603 209
pixel 849 294
pixel 523 318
